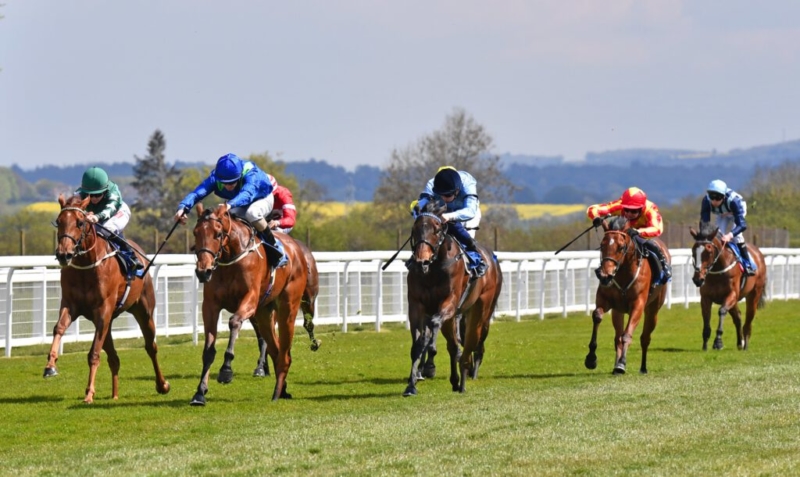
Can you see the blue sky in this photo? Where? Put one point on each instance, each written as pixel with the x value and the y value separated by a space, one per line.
pixel 347 81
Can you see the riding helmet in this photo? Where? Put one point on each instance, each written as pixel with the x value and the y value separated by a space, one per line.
pixel 634 198
pixel 447 181
pixel 229 169
pixel 717 186
pixel 94 181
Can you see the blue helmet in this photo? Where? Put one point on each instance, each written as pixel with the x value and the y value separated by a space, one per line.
pixel 229 169
pixel 447 181
pixel 717 186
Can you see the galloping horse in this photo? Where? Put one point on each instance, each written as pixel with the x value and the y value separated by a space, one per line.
pixel 722 282
pixel 233 267
pixel 626 286
pixel 93 285
pixel 440 289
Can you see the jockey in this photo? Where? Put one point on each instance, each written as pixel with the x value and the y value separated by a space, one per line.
pixel 459 191
pixel 284 214
pixel 107 208
pixel 644 221
pixel 247 193
pixel 730 209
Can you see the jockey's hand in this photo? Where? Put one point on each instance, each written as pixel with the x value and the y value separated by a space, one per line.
pixel 227 206
pixel 181 216
pixel 447 217
pixel 91 218
pixel 727 237
pixel 633 232
pixel 273 224
pixel 597 221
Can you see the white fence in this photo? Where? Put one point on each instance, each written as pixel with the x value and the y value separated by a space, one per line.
pixel 353 291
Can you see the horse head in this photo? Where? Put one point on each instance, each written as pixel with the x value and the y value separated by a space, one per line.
pixel 209 236
pixel 428 235
pixel 614 248
pixel 705 252
pixel 75 233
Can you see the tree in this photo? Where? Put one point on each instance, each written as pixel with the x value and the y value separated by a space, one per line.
pixel 461 143
pixel 155 183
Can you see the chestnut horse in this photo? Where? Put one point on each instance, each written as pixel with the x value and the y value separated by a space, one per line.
pixel 232 265
pixel 722 281
pixel 93 285
pixel 439 290
pixel 626 286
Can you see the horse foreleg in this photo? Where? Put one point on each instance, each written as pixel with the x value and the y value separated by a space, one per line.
pixel 246 310
pixel 101 330
pixel 727 304
pixel 736 316
pixel 591 358
pixel 210 316
pixel 454 351
pixel 429 366
pixel 650 323
pixel 113 364
pixel 753 299
pixel 418 345
pixel 262 367
pixel 65 318
pixel 621 342
pixel 705 308
pixel 144 317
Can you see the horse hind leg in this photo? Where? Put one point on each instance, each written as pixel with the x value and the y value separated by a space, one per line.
pixel 718 345
pixel 113 364
pixel 307 306
pixel 144 318
pixel 262 367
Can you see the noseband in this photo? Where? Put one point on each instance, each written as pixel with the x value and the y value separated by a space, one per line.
pixel 252 246
pixel 614 260
pixel 441 234
pixel 717 254
pixel 220 237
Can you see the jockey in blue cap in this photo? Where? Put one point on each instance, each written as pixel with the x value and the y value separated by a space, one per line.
pixel 459 191
pixel 730 209
pixel 247 192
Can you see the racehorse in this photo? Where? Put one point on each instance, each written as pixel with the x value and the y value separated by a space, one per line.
pixel 722 282
pixel 233 268
pixel 627 285
pixel 440 289
pixel 93 284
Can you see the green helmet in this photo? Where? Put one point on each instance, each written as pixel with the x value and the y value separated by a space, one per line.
pixel 94 181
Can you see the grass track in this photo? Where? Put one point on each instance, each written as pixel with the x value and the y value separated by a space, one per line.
pixel 534 410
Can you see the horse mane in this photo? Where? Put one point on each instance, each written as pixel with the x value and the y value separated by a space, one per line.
pixel 73 201
pixel 618 223
pixel 434 207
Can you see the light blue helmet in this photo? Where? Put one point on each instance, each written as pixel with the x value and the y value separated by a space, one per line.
pixel 229 168
pixel 717 186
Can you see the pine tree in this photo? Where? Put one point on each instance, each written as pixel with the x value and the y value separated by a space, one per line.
pixel 155 182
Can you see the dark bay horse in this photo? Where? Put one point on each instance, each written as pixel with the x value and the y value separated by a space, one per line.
pixel 93 285
pixel 626 279
pixel 232 265
pixel 723 282
pixel 440 289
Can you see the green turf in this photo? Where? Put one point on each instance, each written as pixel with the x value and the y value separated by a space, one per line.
pixel 534 410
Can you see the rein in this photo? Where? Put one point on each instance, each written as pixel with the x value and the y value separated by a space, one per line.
pixel 79 250
pixel 718 251
pixel 442 236
pixel 252 244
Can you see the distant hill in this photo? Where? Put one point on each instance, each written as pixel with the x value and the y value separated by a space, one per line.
pixel 667 175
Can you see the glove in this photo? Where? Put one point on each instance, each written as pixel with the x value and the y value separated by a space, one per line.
pixel 598 221
pixel 633 232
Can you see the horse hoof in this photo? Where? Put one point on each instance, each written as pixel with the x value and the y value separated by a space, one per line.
pixel 718 345
pixel 225 376
pixel 590 363
pixel 429 372
pixel 198 400
pixel 259 372
pixel 410 391
pixel 50 372
pixel 315 345
pixel 619 369
pixel 163 389
pixel 643 371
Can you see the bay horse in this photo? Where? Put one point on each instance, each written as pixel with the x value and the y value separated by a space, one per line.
pixel 627 285
pixel 722 281
pixel 440 289
pixel 93 285
pixel 232 265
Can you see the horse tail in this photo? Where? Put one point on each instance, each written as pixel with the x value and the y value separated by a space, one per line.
pixel 762 302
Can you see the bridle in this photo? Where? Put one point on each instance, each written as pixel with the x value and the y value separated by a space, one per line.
pixel 221 239
pixel 612 276
pixel 717 254
pixel 79 250
pixel 441 235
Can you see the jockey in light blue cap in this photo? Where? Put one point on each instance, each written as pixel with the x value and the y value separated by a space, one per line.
pixel 730 209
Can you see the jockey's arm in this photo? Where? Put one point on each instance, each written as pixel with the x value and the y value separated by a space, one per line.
pixel 465 213
pixel 740 224
pixel 653 226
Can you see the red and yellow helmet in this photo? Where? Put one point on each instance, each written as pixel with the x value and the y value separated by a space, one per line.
pixel 634 198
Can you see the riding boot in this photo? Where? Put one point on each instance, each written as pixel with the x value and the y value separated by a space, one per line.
pixel 666 269
pixel 749 266
pixel 274 256
pixel 126 249
pixel 472 250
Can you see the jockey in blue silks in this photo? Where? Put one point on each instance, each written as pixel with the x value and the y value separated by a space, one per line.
pixel 248 194
pixel 730 209
pixel 459 191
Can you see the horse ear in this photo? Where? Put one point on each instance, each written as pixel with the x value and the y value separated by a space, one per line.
pixel 85 202
pixel 61 200
pixel 693 233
